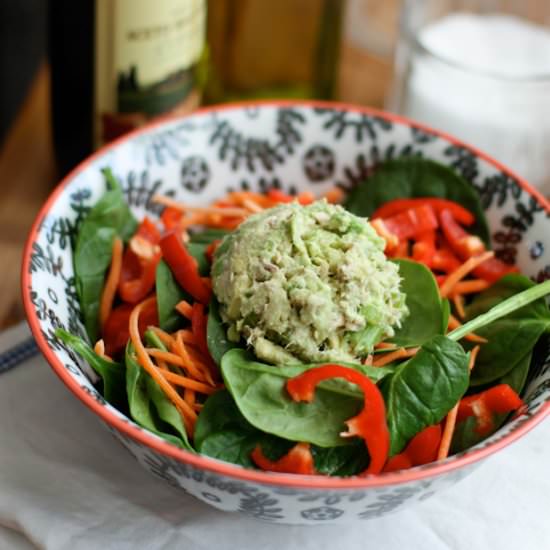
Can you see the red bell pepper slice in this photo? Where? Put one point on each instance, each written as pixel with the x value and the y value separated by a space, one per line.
pixel 423 249
pixel 198 327
pixel 444 260
pixel 422 449
pixel 496 400
pixel 211 249
pixel 297 461
pixel 137 277
pixel 116 331
pixel 370 424
pixel 493 269
pixel 462 243
pixel 184 267
pixel 277 195
pixel 171 218
pixel 397 206
pixel 412 222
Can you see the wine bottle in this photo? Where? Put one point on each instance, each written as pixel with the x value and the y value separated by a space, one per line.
pixel 116 64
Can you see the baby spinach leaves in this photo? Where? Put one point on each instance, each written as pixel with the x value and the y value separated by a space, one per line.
pixel 427 316
pixel 112 374
pixel 208 236
pixel 216 334
pixel 110 217
pixel 149 407
pixel 424 389
pixel 169 293
pixel 410 177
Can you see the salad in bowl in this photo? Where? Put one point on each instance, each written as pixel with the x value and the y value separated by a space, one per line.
pixel 299 334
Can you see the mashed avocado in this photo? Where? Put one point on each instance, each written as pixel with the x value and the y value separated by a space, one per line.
pixel 308 283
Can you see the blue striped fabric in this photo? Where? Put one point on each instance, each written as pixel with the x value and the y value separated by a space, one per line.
pixel 18 354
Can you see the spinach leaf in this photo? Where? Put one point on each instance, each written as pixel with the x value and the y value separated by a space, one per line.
pixel 112 374
pixel 517 377
pixel 509 337
pixel 110 217
pixel 405 178
pixel 508 341
pixel 259 392
pixel 426 315
pixel 169 293
pixel 208 236
pixel 222 432
pixel 216 334
pixel 345 460
pixel 198 250
pixel 149 407
pixel 424 389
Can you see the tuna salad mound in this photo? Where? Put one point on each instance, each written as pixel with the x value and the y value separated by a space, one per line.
pixel 307 283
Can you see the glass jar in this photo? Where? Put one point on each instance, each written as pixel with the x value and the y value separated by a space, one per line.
pixel 480 70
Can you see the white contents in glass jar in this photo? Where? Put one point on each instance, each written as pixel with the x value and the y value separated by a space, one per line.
pixel 486 80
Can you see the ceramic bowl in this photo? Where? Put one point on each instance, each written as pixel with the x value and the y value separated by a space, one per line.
pixel 293 146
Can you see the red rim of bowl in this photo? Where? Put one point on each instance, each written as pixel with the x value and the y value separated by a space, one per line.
pixel 225 468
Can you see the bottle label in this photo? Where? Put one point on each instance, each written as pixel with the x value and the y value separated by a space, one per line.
pixel 145 55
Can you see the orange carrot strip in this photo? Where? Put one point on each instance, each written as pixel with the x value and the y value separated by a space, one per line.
pixel 450 422
pixel 368 360
pixel 198 407
pixel 184 308
pixel 460 272
pixel 190 364
pixel 189 383
pixel 186 336
pixel 99 348
pixel 458 301
pixel 109 290
pixel 384 345
pixel 334 195
pixel 252 205
pixel 471 337
pixel 188 414
pixel 170 358
pixel 189 396
pixel 400 353
pixel 163 336
pixel 469 287
pixel 221 211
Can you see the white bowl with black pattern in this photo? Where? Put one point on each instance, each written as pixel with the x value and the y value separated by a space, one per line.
pixel 294 146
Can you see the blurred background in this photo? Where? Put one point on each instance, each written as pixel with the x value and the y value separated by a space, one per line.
pixel 76 74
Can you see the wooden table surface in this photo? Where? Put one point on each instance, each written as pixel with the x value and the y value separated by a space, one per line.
pixel 27 175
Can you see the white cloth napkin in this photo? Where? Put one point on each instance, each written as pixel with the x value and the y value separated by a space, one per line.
pixel 67 484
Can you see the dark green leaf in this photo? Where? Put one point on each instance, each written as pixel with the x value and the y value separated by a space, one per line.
pixel 424 389
pixel 426 315
pixel 259 392
pixel 517 377
pixel 112 374
pixel 216 335
pixel 110 217
pixel 169 293
pixel 198 250
pixel 406 178
pixel 345 460
pixel 149 407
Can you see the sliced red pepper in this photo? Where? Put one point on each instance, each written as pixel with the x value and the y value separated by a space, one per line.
pixel 137 277
pixel 116 332
pixel 493 269
pixel 496 400
pixel 397 206
pixel 198 327
pixel 370 424
pixel 422 449
pixel 171 218
pixel 184 267
pixel 211 249
pixel 277 195
pixel 462 243
pixel 297 461
pixel 444 260
pixel 412 222
pixel 423 249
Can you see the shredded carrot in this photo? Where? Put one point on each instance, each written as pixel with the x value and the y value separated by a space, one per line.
pixel 384 345
pixel 368 360
pixel 221 211
pixel 99 348
pixel 184 308
pixel 400 353
pixel 186 382
pixel 163 336
pixel 460 272
pixel 450 422
pixel 188 414
pixel 195 369
pixel 471 337
pixel 252 205
pixel 170 358
pixel 458 301
pixel 469 287
pixel 198 407
pixel 109 290
pixel 189 396
pixel 334 195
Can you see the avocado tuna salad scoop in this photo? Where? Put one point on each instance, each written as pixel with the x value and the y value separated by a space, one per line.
pixel 307 283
